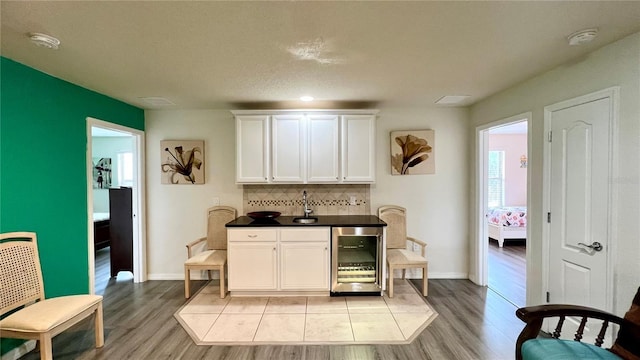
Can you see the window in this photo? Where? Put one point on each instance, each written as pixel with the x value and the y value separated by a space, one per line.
pixel 496 179
pixel 125 169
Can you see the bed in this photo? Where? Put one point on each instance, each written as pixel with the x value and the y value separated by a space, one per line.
pixel 101 222
pixel 507 223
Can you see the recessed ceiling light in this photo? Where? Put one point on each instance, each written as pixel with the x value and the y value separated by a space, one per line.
pixel 306 98
pixel 44 40
pixel 582 36
pixel 452 99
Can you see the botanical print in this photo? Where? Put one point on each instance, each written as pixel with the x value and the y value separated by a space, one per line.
pixel 182 161
pixel 413 152
pixel 101 173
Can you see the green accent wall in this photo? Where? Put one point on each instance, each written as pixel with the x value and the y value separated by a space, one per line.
pixel 43 181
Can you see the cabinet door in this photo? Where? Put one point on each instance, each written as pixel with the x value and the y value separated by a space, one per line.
pixel 288 146
pixel 252 149
pixel 252 265
pixel 358 148
pixel 324 146
pixel 304 265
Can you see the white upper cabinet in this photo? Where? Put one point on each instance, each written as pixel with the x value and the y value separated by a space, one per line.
pixel 324 145
pixel 288 143
pixel 305 146
pixel 252 148
pixel 358 148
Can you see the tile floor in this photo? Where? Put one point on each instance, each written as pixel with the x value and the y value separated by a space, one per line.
pixel 210 320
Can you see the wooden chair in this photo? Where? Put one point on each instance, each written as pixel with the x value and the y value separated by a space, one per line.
pixel 530 347
pixel 398 257
pixel 32 317
pixel 215 256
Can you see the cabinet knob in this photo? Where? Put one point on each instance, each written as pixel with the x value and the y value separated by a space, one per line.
pixel 252 236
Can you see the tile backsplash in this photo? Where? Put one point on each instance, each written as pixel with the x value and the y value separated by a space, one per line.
pixel 334 199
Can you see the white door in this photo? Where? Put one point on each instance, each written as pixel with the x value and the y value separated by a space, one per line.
pixel 288 142
pixel 252 149
pixel 358 148
pixel 304 265
pixel 252 265
pixel 323 140
pixel 579 202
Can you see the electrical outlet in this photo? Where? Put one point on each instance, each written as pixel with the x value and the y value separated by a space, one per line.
pixel 215 201
pixel 352 200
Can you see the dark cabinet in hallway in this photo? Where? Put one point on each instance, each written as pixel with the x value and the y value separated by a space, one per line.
pixel 121 229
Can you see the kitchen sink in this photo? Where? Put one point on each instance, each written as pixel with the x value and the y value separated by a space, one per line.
pixel 305 220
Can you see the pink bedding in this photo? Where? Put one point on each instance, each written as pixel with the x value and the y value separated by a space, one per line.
pixel 508 216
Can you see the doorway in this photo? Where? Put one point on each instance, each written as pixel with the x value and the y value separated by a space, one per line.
pixel 502 204
pixel 115 158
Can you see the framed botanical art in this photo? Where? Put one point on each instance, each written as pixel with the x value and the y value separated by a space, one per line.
pixel 182 161
pixel 413 152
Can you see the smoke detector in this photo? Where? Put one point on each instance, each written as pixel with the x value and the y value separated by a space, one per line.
pixel 582 36
pixel 44 40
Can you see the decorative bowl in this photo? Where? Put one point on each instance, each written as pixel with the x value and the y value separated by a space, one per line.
pixel 263 215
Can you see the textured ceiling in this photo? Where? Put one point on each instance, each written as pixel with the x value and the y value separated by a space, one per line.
pixel 264 54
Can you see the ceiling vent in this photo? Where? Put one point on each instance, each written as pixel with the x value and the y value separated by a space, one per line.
pixel 157 101
pixel 452 99
pixel 582 36
pixel 44 40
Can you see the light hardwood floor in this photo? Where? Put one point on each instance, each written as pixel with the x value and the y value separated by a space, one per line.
pixel 473 323
pixel 507 270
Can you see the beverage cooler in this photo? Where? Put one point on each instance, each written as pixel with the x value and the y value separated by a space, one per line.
pixel 356 261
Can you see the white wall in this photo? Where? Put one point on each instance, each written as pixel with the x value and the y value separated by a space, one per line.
pixel 617 64
pixel 109 147
pixel 437 204
pixel 176 214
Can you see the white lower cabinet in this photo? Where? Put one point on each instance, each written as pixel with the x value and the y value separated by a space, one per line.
pixel 304 258
pixel 298 261
pixel 252 265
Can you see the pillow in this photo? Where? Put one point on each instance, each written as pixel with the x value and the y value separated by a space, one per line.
pixel 627 345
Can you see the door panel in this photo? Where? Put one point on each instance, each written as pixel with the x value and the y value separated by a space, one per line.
pixel 575 280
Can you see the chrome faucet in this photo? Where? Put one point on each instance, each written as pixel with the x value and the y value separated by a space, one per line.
pixel 307 210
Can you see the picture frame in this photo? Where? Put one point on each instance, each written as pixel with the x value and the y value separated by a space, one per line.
pixel 182 161
pixel 102 170
pixel 413 152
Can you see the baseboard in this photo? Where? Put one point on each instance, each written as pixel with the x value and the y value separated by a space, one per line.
pixel 20 351
pixel 194 276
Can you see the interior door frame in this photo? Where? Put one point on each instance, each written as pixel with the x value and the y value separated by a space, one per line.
pixel 139 229
pixel 482 160
pixel 613 93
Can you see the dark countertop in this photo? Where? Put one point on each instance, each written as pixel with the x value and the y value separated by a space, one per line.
pixel 323 220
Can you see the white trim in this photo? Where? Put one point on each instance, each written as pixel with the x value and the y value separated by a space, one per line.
pixel 20 351
pixel 139 229
pixel 613 93
pixel 480 246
